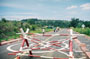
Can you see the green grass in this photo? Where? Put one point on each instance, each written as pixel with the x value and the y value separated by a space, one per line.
pixel 47 30
pixel 40 30
pixel 10 37
pixel 17 35
pixel 83 31
pixel 36 31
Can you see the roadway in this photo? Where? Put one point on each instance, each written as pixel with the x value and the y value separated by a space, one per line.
pixel 5 49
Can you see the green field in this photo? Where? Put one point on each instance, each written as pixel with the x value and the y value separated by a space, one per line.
pixel 83 31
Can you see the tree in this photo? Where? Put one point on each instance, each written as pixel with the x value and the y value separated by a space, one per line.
pixel 30 21
pixel 4 20
pixel 87 23
pixel 74 22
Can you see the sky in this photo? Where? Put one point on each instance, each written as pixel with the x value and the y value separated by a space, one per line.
pixel 45 9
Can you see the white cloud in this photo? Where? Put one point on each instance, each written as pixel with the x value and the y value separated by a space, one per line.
pixel 85 6
pixel 71 7
pixel 19 17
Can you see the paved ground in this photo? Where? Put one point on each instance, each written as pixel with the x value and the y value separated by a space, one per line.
pixel 15 46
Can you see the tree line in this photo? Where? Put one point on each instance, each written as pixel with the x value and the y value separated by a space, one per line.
pixel 75 22
pixel 10 28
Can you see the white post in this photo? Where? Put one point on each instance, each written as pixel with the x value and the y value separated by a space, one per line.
pixel 83 26
pixel 27 30
pixel 71 44
pixel 23 33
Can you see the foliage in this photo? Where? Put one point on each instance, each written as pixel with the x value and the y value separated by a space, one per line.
pixel 74 22
pixel 8 29
pixel 83 31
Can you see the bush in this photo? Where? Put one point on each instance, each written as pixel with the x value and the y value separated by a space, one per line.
pixel 83 31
